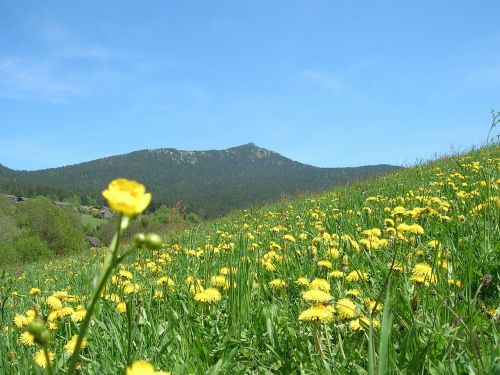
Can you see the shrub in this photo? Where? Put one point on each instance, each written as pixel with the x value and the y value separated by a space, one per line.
pixel 30 248
pixel 60 229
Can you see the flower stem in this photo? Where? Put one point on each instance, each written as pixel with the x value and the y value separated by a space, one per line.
pixel 109 263
pixel 318 341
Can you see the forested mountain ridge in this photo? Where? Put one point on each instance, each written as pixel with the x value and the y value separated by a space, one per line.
pixel 209 183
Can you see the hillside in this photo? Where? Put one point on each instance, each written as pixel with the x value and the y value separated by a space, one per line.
pixel 209 183
pixel 297 287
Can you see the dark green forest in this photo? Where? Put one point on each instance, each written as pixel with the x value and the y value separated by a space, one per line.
pixel 208 183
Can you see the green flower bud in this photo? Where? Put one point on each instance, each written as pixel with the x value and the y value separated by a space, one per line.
pixel 153 241
pixel 139 240
pixel 39 331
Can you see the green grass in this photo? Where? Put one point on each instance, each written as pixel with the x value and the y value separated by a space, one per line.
pixel 91 221
pixel 434 327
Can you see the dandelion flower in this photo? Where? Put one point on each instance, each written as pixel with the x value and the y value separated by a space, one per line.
pixel 65 311
pixel 396 266
pixel 127 196
pixel 20 321
pixel 131 288
pixel 370 304
pixel 208 295
pixel 121 307
pixel 346 308
pixel 435 244
pixel 27 339
pixel 34 291
pixel 316 295
pixel 61 294
pixel 317 313
pixel 416 229
pixel 69 348
pixel 325 264
pixel 320 284
pixel 40 359
pixel 220 281
pixel 422 273
pixel 126 274
pixel 78 315
pixel 362 322
pixel 143 368
pixel 277 284
pixel 112 297
pixel 337 274
pixel 302 281
pixel 356 275
pixel 353 292
pixel 54 302
pixel 165 280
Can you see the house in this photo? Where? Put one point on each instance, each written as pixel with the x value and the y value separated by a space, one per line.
pixel 106 213
pixel 93 209
pixel 13 199
pixel 93 241
pixel 61 204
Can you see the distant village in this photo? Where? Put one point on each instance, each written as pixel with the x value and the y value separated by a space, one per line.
pixel 98 212
pixel 101 212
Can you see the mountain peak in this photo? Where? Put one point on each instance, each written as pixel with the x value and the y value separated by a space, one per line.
pixel 210 182
pixel 246 146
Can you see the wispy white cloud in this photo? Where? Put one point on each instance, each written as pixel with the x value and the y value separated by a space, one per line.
pixel 52 75
pixel 323 79
pixel 25 79
pixel 488 74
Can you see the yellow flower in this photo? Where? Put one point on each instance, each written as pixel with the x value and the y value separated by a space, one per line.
pixel 112 297
pixel 121 307
pixel 362 322
pixel 435 244
pixel 457 283
pixel 416 229
pixel 356 275
pixel 346 308
pixel 337 274
pixel 78 315
pixel 69 348
pixel 127 196
pixel 353 292
pixel 40 359
pixel 316 295
pixel 325 264
pixel 320 284
pixel 27 339
pixel 126 274
pixel 277 284
pixel 302 281
pixel 54 303
pixel 208 295
pixel 371 304
pixel 131 288
pixel 165 280
pixel 422 273
pixel 34 291
pixel 220 281
pixel 20 321
pixel 143 368
pixel 317 312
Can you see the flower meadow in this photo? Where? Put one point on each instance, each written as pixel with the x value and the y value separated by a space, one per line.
pixel 398 274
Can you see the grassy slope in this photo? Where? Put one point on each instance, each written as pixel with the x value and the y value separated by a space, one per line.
pixel 437 328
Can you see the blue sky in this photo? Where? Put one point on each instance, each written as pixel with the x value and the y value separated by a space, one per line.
pixel 328 83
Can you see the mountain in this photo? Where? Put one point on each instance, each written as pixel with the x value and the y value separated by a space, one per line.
pixel 209 183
